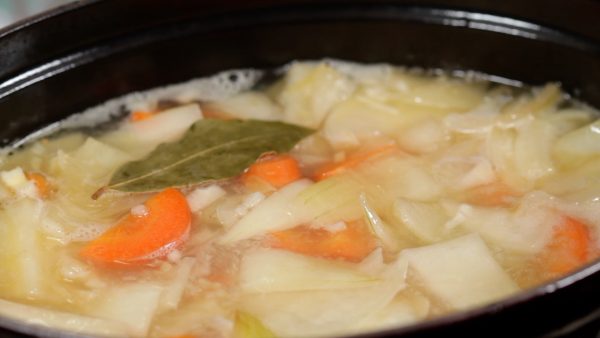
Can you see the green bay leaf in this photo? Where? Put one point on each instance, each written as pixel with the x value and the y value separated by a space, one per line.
pixel 210 150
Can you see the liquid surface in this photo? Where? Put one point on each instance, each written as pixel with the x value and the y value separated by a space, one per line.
pixel 402 195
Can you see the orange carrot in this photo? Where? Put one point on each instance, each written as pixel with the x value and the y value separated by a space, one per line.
pixel 569 248
pixel 490 195
pixel 137 116
pixel 352 244
pixel 41 183
pixel 354 160
pixel 140 237
pixel 278 170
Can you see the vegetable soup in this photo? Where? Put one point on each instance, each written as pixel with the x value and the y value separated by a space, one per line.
pixel 337 199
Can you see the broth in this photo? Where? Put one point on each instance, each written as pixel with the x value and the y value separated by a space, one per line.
pixel 339 199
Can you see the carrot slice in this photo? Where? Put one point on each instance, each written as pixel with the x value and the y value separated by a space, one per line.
pixel 41 183
pixel 137 116
pixel 569 248
pixel 278 170
pixel 352 244
pixel 138 238
pixel 354 160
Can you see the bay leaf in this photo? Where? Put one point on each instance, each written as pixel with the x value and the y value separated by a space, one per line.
pixel 210 150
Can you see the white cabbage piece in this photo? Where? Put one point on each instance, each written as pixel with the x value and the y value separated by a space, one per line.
pixel 461 273
pixel 542 100
pixel 361 118
pixel 441 93
pixel 424 220
pixel 310 91
pixel 525 230
pixel 273 270
pixel 522 155
pixel 202 197
pixel 25 261
pixel 578 145
pixel 331 200
pixel 407 308
pixel 174 288
pixel 424 136
pixel 383 231
pixel 401 176
pixel 250 105
pixel 98 158
pixel 321 313
pixel 16 181
pixel 569 119
pixel 500 150
pixel 313 151
pixel 276 212
pixel 168 125
pixel 464 171
pixel 79 174
pixel 202 316
pixel 578 184
pixel 532 152
pixel 133 305
pixel 470 123
pixel 71 322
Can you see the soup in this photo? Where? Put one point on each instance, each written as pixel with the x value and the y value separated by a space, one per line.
pixel 338 199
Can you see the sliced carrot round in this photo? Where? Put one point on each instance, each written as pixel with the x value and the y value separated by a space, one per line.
pixel 353 243
pixel 161 226
pixel 137 116
pixel 569 247
pixel 41 183
pixel 352 161
pixel 277 170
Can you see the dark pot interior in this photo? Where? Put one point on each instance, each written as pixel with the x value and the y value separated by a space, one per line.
pixel 78 56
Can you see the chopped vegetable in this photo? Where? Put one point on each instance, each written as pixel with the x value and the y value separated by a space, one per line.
pixel 260 271
pixel 133 304
pixel 139 115
pixel 378 227
pixel 249 105
pixel 277 208
pixel 353 243
pixel 319 313
pixel 424 220
pixel 168 125
pixel 310 91
pixel 152 234
pixel 578 145
pixel 462 272
pixel 352 161
pixel 41 183
pixel 276 170
pixel 202 197
pixel 569 247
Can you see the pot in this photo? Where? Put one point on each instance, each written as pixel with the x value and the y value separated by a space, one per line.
pixel 60 62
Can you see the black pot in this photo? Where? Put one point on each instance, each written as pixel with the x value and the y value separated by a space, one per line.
pixel 80 55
